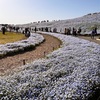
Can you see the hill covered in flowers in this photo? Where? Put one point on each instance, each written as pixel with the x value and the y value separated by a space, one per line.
pixel 71 72
pixel 85 22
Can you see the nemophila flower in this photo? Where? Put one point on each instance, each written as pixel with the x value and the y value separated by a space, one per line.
pixel 32 41
pixel 71 72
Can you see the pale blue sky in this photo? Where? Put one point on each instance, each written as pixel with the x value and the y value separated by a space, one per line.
pixel 26 11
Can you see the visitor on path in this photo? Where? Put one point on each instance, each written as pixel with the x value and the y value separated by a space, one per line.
pixel 46 29
pixel 60 30
pixel 79 31
pixel 55 30
pixel 95 30
pixel 65 32
pixel 3 30
pixel 74 32
pixel 93 34
pixel 35 29
pixel 27 32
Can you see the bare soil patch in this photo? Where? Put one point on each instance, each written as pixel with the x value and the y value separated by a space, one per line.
pixel 96 38
pixel 12 63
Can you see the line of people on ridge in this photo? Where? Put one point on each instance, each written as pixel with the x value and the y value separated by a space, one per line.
pixel 67 31
pixel 74 32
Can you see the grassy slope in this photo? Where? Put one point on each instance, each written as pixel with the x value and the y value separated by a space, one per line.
pixel 10 37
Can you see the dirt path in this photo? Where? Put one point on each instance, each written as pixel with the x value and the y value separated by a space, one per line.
pixel 13 62
pixel 92 40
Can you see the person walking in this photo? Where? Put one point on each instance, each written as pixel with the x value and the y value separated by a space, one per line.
pixel 3 30
pixel 95 30
pixel 35 29
pixel 93 34
pixel 65 32
pixel 79 31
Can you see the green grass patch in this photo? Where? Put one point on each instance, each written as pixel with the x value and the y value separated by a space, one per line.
pixel 10 37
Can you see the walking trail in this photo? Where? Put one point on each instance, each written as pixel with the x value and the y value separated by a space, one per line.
pixel 96 38
pixel 12 63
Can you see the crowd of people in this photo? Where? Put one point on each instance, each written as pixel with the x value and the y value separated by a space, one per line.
pixel 76 32
pixel 73 31
pixel 67 31
pixel 16 29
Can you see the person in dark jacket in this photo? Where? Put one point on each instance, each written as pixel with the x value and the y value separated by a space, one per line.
pixel 27 32
pixel 3 30
pixel 93 34
pixel 35 29
pixel 95 30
